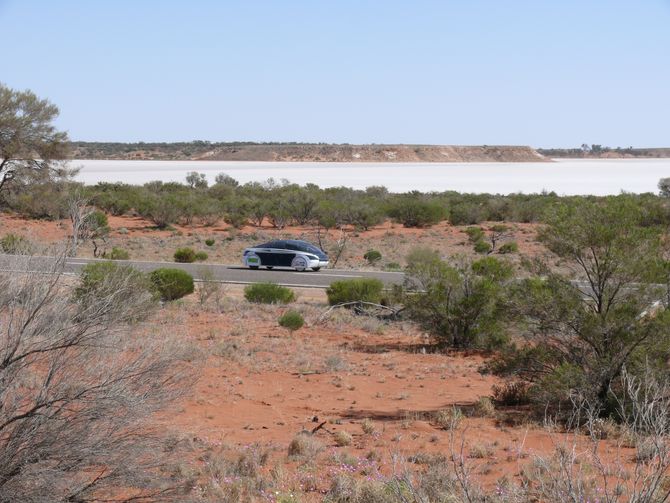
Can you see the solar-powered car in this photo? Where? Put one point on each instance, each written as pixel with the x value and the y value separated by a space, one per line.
pixel 293 253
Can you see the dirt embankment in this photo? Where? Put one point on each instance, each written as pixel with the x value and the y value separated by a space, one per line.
pixel 306 152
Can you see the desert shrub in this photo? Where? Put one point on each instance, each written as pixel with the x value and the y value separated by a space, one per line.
pixel 209 242
pixel 368 426
pixel 117 254
pixel 237 219
pixel 372 256
pixel 484 407
pixel 39 199
pixel 15 244
pixel 449 419
pixel 475 234
pixel 346 488
pixel 172 284
pixel 162 209
pixel 342 438
pixel 467 213
pixel 355 290
pixel 393 266
pixel 511 393
pixel 580 340
pixel 292 320
pixel 268 293
pixel 102 279
pixel 97 221
pixel 201 256
pixel 185 255
pixel 411 211
pixel 421 255
pixel 482 247
pixel 510 247
pixel 462 304
pixel 304 445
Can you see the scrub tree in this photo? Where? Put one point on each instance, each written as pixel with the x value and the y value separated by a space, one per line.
pixel 586 327
pixel 30 145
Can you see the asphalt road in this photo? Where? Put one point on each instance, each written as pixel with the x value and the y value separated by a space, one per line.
pixel 208 272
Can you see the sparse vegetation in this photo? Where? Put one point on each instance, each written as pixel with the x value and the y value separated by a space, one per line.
pixel 268 293
pixel 304 445
pixel 342 438
pixel 510 247
pixel 117 254
pixel 15 244
pixel 100 279
pixel 449 419
pixel 81 389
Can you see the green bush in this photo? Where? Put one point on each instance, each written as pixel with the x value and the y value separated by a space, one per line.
pixel 185 255
pixel 355 290
pixel 475 234
pixel 268 293
pixel 372 256
pixel 462 304
pixel 482 247
pixel 421 255
pixel 510 247
pixel 201 256
pixel 292 320
pixel 209 242
pixel 414 212
pixel 393 266
pixel 117 254
pixel 237 220
pixel 15 244
pixel 101 279
pixel 172 284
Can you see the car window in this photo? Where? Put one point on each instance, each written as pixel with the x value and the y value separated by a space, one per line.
pixel 309 248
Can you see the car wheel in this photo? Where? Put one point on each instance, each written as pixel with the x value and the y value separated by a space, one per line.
pixel 299 264
pixel 253 267
pixel 315 269
pixel 269 267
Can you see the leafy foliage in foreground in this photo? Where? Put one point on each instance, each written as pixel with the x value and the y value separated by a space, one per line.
pixel 581 336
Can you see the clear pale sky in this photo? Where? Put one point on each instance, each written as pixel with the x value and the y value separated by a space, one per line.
pixel 537 72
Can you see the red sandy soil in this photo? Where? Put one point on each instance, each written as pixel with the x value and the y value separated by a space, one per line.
pixel 261 384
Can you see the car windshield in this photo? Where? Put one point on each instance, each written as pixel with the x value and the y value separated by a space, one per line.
pixel 311 248
pixel 306 247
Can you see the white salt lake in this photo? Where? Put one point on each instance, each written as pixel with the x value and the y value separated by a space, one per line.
pixel 565 176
